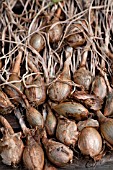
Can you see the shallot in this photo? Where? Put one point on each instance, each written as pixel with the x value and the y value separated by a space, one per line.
pixel 57 153
pixel 12 145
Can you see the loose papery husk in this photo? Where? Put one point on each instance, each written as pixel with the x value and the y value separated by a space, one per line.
pixel 66 131
pixel 5 104
pixel 12 148
pixel 89 100
pixel 87 123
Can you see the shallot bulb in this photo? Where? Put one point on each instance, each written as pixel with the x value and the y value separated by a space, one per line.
pixel 75 40
pixel 5 104
pixel 75 37
pixel 16 98
pixel 99 87
pixel 36 95
pixel 82 76
pixel 90 142
pixel 60 89
pixel 66 131
pixel 33 155
pixel 106 127
pixel 12 145
pixel 34 117
pixel 50 123
pixel 37 42
pixel 57 153
pixel 71 109
pixel 55 32
pixel 108 109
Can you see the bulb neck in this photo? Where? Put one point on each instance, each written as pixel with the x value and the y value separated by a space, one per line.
pixel 101 117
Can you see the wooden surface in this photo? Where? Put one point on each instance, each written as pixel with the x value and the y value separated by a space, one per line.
pixel 77 165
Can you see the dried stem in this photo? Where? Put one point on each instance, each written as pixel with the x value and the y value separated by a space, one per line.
pixel 21 121
pixel 16 68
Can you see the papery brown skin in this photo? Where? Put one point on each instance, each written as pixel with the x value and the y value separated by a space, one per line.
pixel 36 95
pixel 33 155
pixel 58 90
pixel 83 77
pixel 108 109
pixel 89 100
pixel 37 42
pixel 87 123
pixel 12 148
pixel 50 123
pixel 71 109
pixel 55 33
pixel 99 87
pixel 5 104
pixel 66 131
pixel 57 153
pixel 90 142
pixel 34 117
pixel 106 127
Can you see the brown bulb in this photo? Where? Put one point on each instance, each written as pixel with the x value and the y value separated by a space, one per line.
pixel 55 32
pixel 83 77
pixel 71 110
pixel 11 145
pixel 57 153
pixel 50 123
pixel 76 40
pixel 99 87
pixel 108 110
pixel 106 127
pixel 90 142
pixel 36 95
pixel 34 117
pixel 12 149
pixel 66 131
pixel 37 42
pixel 60 89
pixel 33 155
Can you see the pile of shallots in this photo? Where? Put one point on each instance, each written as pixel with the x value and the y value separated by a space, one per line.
pixel 56 64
